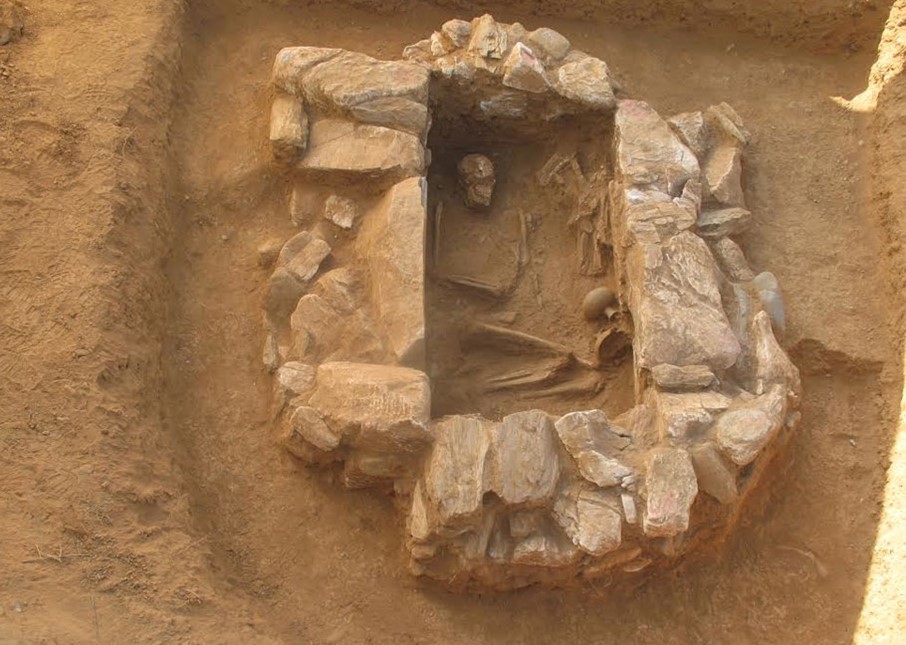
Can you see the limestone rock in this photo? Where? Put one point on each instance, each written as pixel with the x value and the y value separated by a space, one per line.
pixel 302 255
pixel 682 415
pixel 652 216
pixel 677 308
pixel 458 31
pixel 723 222
pixel 540 550
pixel 743 432
pixel 587 82
pixel 549 44
pixel 771 364
pixel 671 489
pixel 488 39
pixel 523 466
pixel 347 79
pixel 392 242
pixel 418 521
pixel 688 378
pixel 440 44
pixel 292 63
pixel 378 408
pixel 283 293
pixel 289 128
pixel 732 260
pixel 291 381
pixel 340 288
pixel 455 471
pixel 715 477
pixel 342 211
pixel 722 174
pixel 311 427
pixel 648 152
pixel 364 469
pixel 394 112
pixel 591 441
pixel 523 71
pixel 419 52
pixel 726 125
pixel 692 129
pixel 476 179
pixel 341 151
pixel 590 518
pixel 304 204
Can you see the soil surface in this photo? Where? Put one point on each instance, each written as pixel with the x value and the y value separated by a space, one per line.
pixel 143 497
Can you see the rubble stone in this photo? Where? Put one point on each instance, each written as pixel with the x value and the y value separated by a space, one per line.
pixel 311 427
pixel 291 381
pixel 732 260
pixel 590 440
pixel 342 211
pixel 671 489
pixel 692 129
pixel 455 471
pixel 292 63
pixel 715 477
pixel 549 44
pixel 458 31
pixel 587 82
pixel 289 128
pixel 488 39
pixel 673 378
pixel 523 466
pixel 743 432
pixel 649 154
pixel 523 71
pixel 771 364
pixel 394 112
pixel 302 255
pixel 590 518
pixel 380 408
pixel 722 174
pixel 283 293
pixel 723 222
pixel 771 299
pixel 392 241
pixel 682 415
pixel 677 307
pixel 341 151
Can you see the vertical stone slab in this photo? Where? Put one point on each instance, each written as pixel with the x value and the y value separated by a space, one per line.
pixel 392 241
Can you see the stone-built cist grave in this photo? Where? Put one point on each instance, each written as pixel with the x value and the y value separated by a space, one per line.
pixel 515 303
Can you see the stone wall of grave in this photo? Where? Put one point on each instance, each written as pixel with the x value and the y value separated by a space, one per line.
pixel 531 498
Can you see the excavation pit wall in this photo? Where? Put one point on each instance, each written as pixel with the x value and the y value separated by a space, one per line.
pixel 529 498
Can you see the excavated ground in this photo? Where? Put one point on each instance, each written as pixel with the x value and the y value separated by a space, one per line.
pixel 143 497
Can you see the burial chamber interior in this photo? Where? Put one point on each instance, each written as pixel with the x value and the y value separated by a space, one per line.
pixel 429 328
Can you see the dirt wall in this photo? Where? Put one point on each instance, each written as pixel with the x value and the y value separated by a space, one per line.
pixel 824 25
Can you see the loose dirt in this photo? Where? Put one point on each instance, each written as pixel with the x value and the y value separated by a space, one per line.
pixel 143 497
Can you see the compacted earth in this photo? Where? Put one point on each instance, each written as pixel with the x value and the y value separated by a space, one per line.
pixel 143 492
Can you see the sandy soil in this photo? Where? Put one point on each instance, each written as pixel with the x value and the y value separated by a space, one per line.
pixel 143 498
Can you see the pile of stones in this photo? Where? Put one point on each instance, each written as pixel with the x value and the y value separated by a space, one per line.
pixel 530 498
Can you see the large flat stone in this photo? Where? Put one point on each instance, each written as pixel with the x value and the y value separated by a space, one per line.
pixel 743 432
pixel 379 408
pixel 338 80
pixel 672 378
pixel 289 128
pixel 676 305
pixel 590 518
pixel 455 471
pixel 594 445
pixel 648 152
pixel 671 489
pixel 392 242
pixel 342 152
pixel 523 465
